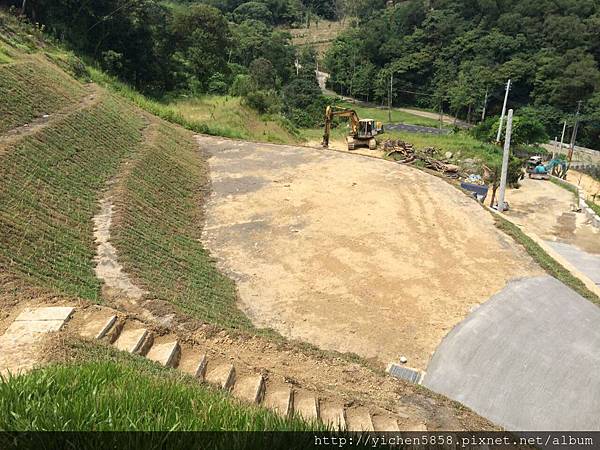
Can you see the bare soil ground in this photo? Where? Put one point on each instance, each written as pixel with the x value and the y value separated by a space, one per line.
pixel 349 253
pixel 545 209
pixel 587 183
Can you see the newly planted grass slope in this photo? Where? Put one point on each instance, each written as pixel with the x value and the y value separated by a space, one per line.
pixel 158 224
pixel 49 189
pixel 31 88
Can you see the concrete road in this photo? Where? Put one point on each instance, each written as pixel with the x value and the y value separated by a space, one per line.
pixel 528 359
pixel 588 263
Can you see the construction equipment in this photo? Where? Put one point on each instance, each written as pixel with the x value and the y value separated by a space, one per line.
pixel 362 131
pixel 537 170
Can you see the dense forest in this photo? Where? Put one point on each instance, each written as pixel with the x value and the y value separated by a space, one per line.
pixel 451 53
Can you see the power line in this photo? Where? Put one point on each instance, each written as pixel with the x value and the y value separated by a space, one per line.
pixel 111 14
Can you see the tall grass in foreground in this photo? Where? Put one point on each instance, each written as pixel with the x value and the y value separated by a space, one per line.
pixel 125 395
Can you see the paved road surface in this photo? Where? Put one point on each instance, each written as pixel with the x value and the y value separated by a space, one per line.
pixel 528 359
pixel 415 128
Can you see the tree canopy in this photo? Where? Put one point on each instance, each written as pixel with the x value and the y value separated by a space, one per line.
pixel 453 52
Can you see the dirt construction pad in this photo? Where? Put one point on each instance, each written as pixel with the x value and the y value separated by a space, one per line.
pixel 351 253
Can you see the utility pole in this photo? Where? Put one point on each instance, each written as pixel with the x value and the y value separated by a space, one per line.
pixel 503 111
pixel 562 138
pixel 390 98
pixel 504 174
pixel 574 133
pixel 484 105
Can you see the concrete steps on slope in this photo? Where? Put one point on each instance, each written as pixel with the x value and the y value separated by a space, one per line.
pixel 250 388
pixel 131 335
pixel 306 405
pixel 133 339
pixel 359 419
pixel 333 415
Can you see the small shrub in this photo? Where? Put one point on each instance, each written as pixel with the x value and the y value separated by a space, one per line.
pixel 263 101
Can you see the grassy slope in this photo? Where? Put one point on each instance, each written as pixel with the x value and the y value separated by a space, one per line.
pixel 215 115
pixel 53 180
pixel 49 191
pixel 128 394
pixel 52 91
pixel 157 229
pixel 231 117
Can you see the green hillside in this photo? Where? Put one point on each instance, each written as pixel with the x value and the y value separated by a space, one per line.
pixel 82 139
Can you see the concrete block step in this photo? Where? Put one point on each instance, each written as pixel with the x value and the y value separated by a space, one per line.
pixel 359 419
pixel 222 375
pixel 384 422
pixel 279 398
pixel 51 313
pixel 133 340
pixel 193 363
pixel 96 324
pixel 250 388
pixel 306 405
pixel 165 353
pixel 333 415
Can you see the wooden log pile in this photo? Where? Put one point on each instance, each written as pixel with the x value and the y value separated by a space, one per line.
pixel 404 153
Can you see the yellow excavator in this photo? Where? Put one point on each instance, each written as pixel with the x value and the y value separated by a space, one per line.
pixel 362 131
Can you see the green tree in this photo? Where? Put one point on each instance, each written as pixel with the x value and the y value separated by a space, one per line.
pixel 201 33
pixel 263 74
pixel 253 11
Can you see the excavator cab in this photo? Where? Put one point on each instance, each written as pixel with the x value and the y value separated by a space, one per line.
pixel 368 128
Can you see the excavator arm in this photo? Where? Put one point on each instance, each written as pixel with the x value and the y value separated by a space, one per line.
pixel 330 113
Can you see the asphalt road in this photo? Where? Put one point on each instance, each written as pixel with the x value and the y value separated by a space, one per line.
pixel 528 359
pixel 415 128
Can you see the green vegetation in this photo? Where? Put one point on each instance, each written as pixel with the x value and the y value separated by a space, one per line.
pixel 169 51
pixel 595 206
pixel 544 260
pixel 118 392
pixel 233 117
pixel 53 91
pixel 158 223
pixel 50 183
pixel 453 52
pixel 381 114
